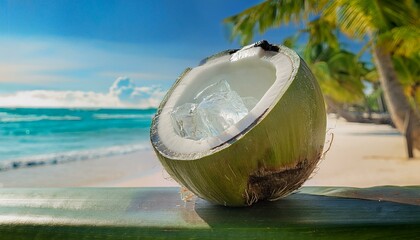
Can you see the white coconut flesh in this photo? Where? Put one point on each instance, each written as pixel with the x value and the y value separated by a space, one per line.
pixel 250 72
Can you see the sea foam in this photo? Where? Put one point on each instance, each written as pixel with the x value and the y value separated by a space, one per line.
pixel 6 117
pixel 63 157
pixel 122 116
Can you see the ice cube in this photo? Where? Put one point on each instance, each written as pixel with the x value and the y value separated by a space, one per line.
pixel 216 108
pixel 221 86
pixel 221 110
pixel 187 123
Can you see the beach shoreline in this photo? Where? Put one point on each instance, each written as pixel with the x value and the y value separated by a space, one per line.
pixel 99 172
pixel 361 155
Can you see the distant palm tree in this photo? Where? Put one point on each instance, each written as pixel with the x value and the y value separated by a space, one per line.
pixel 340 76
pixel 391 29
pixel 340 73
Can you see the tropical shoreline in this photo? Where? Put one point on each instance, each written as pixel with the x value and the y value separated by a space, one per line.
pixel 361 155
pixel 71 156
pixel 92 172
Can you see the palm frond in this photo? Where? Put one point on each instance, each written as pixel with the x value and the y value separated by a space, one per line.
pixel 340 75
pixel 403 41
pixel 396 13
pixel 351 16
pixel 408 72
pixel 408 69
pixel 372 76
pixel 271 13
pixel 322 31
pixel 357 18
pixel 291 41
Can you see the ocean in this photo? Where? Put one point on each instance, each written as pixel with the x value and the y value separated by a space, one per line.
pixel 42 136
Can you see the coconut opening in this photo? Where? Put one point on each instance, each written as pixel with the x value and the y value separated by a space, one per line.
pixel 239 75
pixel 273 70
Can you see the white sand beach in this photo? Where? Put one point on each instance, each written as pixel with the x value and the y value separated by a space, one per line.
pixel 361 155
pixel 365 155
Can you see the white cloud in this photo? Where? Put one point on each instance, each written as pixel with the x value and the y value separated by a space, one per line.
pixel 122 94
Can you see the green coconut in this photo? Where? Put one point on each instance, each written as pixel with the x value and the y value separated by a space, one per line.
pixel 266 155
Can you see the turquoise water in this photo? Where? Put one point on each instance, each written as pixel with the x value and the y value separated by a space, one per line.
pixel 31 136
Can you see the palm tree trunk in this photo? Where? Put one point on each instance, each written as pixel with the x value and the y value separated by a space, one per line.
pixel 395 99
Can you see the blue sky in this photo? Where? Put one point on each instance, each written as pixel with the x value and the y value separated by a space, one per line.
pixel 65 45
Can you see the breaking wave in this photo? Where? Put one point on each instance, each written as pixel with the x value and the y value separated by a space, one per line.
pixel 122 116
pixel 9 118
pixel 63 157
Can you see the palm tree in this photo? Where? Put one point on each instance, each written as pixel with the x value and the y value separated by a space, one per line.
pixel 340 72
pixel 389 28
pixel 340 76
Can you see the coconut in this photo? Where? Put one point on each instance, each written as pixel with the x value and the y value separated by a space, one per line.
pixel 265 155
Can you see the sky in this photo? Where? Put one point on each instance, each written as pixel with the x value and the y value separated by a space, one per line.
pixel 66 53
